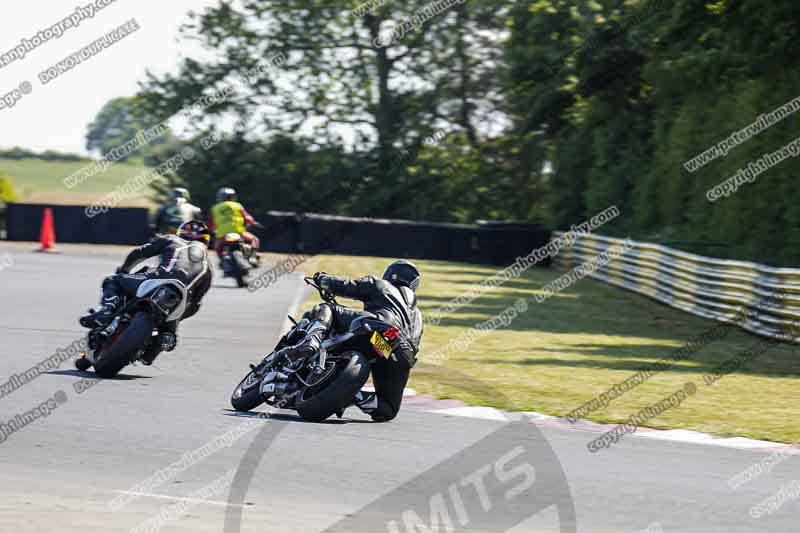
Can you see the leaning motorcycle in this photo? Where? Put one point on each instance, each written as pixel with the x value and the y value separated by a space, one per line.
pixel 324 384
pixel 133 331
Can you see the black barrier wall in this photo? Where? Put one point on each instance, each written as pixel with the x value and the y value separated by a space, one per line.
pixel 497 244
pixel 121 225
pixel 489 243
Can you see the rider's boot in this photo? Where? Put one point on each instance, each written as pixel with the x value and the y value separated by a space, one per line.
pixel 150 354
pixel 166 341
pixel 101 315
pixel 366 401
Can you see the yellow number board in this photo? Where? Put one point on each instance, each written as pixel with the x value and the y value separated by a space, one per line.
pixel 378 341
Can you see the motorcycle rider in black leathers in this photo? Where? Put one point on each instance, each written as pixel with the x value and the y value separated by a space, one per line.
pixel 183 256
pixel 391 299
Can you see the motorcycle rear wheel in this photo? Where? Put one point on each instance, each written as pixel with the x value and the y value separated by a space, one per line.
pixel 111 360
pixel 315 405
pixel 238 263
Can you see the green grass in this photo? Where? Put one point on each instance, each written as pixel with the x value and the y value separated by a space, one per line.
pixel 40 181
pixel 570 348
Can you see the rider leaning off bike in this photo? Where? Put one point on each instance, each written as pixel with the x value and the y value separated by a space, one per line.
pixel 391 299
pixel 183 256
pixel 229 216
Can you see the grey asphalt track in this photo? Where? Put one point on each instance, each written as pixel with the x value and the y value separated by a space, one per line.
pixel 61 473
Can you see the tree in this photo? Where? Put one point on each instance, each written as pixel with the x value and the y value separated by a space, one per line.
pixel 283 174
pixel 552 111
pixel 388 87
pixel 120 121
pixel 639 88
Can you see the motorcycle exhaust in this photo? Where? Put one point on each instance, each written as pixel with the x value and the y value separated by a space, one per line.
pixel 275 376
pixel 274 389
pixel 274 384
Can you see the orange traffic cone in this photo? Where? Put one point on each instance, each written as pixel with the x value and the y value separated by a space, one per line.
pixel 48 233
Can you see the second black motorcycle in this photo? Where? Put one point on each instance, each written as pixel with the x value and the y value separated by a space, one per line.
pixel 323 384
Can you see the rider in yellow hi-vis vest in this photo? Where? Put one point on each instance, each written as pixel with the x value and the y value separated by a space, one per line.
pixel 229 216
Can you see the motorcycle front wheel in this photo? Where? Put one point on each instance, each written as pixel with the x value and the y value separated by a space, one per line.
pixel 247 394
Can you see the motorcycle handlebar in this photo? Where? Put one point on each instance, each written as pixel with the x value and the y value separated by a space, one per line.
pixel 323 293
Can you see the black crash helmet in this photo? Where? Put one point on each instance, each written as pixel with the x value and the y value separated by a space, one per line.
pixel 403 273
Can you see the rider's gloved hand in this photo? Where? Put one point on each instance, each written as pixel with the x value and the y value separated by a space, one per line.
pixel 318 278
pixel 119 270
pixel 168 341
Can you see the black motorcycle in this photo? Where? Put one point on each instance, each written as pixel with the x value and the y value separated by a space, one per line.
pixel 132 334
pixel 324 384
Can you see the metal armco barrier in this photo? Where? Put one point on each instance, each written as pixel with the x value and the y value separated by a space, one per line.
pixel 761 299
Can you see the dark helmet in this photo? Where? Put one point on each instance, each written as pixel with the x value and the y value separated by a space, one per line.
pixel 403 274
pixel 225 194
pixel 194 230
pixel 180 192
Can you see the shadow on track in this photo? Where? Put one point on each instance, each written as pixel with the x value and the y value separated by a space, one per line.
pixel 92 375
pixel 288 417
